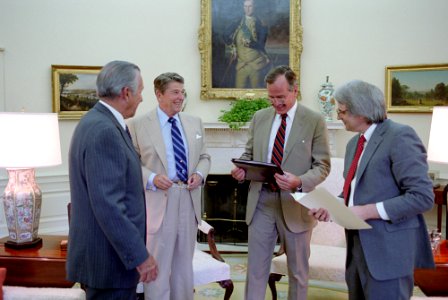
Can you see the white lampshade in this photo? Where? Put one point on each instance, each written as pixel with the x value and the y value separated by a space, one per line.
pixel 438 141
pixel 29 140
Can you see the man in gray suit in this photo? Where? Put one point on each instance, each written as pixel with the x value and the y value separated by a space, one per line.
pixel 271 210
pixel 388 187
pixel 107 252
pixel 173 186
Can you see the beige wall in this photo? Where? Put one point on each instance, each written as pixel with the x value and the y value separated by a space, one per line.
pixel 344 39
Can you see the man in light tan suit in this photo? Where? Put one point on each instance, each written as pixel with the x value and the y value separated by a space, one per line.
pixel 271 211
pixel 173 194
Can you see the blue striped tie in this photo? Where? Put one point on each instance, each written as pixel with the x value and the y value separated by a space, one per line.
pixel 179 151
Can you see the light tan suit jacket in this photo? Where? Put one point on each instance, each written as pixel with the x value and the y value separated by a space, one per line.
pixel 306 155
pixel 148 142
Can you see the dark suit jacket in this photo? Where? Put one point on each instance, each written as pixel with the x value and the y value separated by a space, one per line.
pixel 393 169
pixel 107 226
pixel 306 155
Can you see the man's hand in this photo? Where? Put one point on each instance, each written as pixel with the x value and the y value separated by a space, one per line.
pixel 194 181
pixel 148 270
pixel 320 214
pixel 238 173
pixel 288 181
pixel 162 182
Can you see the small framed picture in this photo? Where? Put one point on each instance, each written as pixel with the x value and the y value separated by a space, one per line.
pixel 74 90
pixel 416 88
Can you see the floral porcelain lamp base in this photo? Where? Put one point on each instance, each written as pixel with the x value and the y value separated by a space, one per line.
pixel 22 203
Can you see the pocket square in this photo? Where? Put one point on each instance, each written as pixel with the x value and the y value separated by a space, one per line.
pixel 198 136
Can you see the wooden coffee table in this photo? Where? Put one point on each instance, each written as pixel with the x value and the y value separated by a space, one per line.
pixel 434 282
pixel 41 266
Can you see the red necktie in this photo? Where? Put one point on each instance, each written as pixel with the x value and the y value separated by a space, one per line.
pixel 353 166
pixel 279 142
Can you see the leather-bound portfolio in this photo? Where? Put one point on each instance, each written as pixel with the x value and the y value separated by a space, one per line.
pixel 257 170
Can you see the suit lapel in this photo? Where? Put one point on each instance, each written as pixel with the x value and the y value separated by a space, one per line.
pixel 294 133
pixel 265 126
pixel 375 140
pixel 154 132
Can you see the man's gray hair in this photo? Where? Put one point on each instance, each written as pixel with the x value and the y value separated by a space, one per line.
pixel 115 76
pixel 362 99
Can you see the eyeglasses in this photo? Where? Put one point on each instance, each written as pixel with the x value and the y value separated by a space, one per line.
pixel 280 99
pixel 341 112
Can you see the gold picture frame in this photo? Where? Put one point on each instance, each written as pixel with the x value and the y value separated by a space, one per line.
pixel 416 89
pixel 74 90
pixel 283 45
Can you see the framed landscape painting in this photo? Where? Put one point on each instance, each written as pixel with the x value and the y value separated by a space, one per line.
pixel 416 88
pixel 240 41
pixel 74 90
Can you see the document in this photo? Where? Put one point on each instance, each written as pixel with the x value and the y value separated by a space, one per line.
pixel 339 213
pixel 257 170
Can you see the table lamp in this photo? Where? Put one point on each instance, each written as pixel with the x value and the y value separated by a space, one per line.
pixel 438 143
pixel 29 140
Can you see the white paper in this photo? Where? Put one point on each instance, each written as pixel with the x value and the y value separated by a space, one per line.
pixel 339 213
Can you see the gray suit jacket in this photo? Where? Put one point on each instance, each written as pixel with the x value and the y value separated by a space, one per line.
pixel 107 226
pixel 148 141
pixel 393 169
pixel 306 155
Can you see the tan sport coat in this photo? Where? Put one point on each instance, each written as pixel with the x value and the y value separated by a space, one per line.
pixel 306 155
pixel 148 142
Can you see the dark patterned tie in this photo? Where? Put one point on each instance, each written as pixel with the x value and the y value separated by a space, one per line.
pixel 279 143
pixel 128 132
pixel 179 151
pixel 351 172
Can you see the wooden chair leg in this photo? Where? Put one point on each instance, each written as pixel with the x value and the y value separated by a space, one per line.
pixel 273 278
pixel 228 286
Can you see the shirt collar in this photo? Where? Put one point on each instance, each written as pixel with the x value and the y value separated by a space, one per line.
pixel 163 117
pixel 369 131
pixel 291 112
pixel 116 114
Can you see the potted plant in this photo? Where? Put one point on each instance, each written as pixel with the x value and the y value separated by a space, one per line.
pixel 242 110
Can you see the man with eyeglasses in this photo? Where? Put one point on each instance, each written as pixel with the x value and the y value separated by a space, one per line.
pixel 295 138
pixel 174 163
pixel 387 185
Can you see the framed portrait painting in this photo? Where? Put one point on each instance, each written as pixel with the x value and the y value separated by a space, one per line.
pixel 241 40
pixel 416 88
pixel 74 90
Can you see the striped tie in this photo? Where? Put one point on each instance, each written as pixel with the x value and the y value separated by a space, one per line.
pixel 277 149
pixel 179 151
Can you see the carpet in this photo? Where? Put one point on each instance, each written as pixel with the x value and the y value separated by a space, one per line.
pixel 316 291
pixel 238 267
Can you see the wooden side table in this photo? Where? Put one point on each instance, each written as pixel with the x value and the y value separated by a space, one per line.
pixel 41 266
pixel 433 282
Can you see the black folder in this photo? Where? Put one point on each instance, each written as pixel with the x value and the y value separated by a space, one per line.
pixel 257 170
